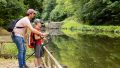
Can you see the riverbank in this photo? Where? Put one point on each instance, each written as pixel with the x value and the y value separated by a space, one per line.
pixel 73 25
pixel 71 28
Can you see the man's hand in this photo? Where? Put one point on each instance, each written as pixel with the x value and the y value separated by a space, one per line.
pixel 45 34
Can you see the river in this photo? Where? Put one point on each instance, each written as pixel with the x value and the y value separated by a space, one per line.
pixel 77 49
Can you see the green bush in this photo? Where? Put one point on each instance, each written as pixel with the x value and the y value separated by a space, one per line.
pixel 10 9
pixel 10 48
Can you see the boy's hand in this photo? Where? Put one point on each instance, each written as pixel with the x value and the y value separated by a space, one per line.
pixel 45 40
pixel 45 34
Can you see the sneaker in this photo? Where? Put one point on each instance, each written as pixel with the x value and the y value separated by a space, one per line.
pixel 40 67
pixel 25 66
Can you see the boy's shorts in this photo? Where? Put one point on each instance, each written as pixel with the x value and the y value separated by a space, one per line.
pixel 39 51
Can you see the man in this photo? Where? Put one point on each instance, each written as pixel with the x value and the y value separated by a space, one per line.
pixel 19 35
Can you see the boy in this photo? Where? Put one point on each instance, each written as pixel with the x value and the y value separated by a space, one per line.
pixel 38 46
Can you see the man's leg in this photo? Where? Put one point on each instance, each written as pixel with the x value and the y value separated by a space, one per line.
pixel 20 46
pixel 24 54
pixel 24 57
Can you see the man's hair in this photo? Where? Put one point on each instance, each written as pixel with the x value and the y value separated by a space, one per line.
pixel 30 11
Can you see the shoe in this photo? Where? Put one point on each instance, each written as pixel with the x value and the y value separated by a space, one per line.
pixel 40 67
pixel 25 66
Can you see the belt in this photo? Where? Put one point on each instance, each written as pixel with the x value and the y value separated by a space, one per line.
pixel 18 35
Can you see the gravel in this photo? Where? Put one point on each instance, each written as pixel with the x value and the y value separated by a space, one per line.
pixel 13 63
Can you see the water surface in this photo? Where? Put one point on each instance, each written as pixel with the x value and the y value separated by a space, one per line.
pixel 86 50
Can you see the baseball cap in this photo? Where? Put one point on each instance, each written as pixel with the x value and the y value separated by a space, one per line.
pixel 29 11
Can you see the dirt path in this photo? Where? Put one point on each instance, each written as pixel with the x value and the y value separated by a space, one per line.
pixel 13 63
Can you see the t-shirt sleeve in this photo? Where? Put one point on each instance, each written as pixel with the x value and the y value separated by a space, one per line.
pixel 28 24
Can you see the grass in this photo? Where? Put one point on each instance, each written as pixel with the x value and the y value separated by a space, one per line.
pixel 72 28
pixel 74 25
pixel 3 31
pixel 10 48
pixel 70 24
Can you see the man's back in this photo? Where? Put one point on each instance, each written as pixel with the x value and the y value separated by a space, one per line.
pixel 24 22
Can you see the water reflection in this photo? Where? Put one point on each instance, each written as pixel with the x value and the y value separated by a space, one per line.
pixel 86 50
pixel 78 49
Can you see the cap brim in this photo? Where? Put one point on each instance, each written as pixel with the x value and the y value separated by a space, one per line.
pixel 35 12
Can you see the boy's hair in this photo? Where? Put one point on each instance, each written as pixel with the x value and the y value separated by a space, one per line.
pixel 38 21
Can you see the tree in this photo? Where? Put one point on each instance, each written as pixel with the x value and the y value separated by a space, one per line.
pixel 99 12
pixel 63 10
pixel 35 4
pixel 10 9
pixel 48 6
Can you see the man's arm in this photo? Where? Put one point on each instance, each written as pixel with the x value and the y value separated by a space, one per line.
pixel 35 31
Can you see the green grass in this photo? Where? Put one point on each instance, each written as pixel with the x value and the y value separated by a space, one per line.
pixel 10 48
pixel 70 24
pixel 72 28
pixel 74 25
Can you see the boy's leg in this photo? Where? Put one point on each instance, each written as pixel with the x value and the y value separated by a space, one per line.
pixel 35 62
pixel 37 55
pixel 39 61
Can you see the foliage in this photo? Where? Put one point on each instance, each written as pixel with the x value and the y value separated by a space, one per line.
pixel 48 6
pixel 10 48
pixel 10 9
pixel 63 10
pixel 73 25
pixel 99 12
pixel 92 12
pixel 35 4
pixel 69 24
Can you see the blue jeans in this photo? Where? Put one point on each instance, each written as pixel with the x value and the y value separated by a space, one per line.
pixel 19 41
